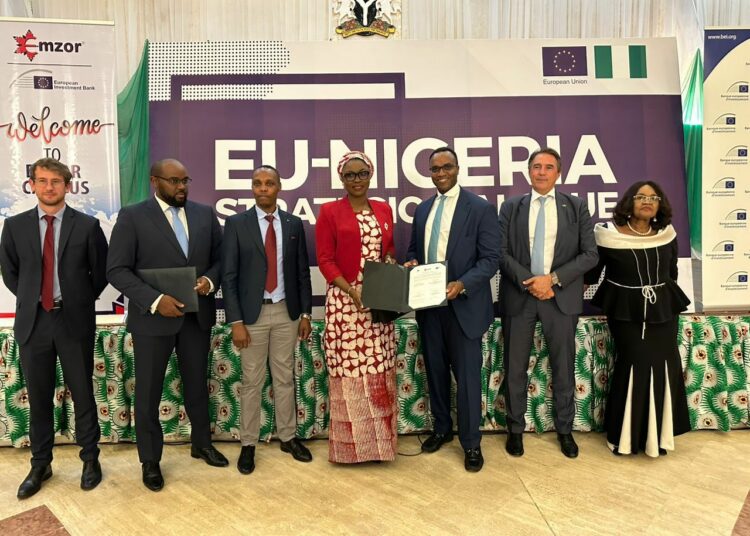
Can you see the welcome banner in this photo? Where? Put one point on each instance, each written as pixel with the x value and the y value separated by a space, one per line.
pixel 57 100
pixel 726 169
pixel 612 108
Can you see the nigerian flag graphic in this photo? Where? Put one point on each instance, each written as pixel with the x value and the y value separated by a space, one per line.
pixel 627 61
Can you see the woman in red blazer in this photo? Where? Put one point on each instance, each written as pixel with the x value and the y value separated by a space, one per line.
pixel 360 353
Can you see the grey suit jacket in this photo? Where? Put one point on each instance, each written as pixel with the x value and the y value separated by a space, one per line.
pixel 143 238
pixel 81 258
pixel 244 267
pixel 575 252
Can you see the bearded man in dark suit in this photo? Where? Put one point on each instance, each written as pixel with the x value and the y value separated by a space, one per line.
pixel 168 231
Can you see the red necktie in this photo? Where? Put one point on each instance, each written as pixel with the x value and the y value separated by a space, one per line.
pixel 48 264
pixel 271 274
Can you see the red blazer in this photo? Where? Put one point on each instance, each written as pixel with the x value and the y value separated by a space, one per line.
pixel 338 240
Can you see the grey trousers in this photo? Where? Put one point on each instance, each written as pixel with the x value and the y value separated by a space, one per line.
pixel 272 340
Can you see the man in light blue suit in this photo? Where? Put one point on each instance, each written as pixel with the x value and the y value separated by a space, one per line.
pixel 459 228
pixel 547 244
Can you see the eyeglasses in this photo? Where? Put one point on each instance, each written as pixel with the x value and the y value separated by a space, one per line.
pixel 351 176
pixel 447 168
pixel 55 183
pixel 650 198
pixel 175 181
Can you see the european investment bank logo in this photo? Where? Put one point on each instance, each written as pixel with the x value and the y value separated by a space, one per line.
pixel 610 61
pixel 738 215
pixel 34 79
pixel 726 246
pixel 726 119
pixel 737 277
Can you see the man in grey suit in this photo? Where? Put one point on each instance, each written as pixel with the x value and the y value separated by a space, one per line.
pixel 267 299
pixel 168 231
pixel 53 259
pixel 547 244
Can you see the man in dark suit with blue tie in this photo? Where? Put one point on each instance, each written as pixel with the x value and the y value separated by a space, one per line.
pixel 547 241
pixel 53 259
pixel 459 228
pixel 268 300
pixel 168 231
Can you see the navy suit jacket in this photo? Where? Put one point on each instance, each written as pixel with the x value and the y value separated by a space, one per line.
pixel 143 238
pixel 244 267
pixel 575 252
pixel 472 257
pixel 81 258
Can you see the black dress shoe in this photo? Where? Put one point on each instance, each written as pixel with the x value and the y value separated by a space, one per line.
pixel 210 455
pixel 91 475
pixel 33 481
pixel 297 449
pixel 152 478
pixel 568 445
pixel 514 444
pixel 473 460
pixel 246 461
pixel 435 441
pixel 662 452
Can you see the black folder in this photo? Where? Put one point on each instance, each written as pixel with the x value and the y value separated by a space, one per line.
pixel 385 286
pixel 176 282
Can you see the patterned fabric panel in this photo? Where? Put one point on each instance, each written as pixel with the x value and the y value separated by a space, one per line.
pixel 715 352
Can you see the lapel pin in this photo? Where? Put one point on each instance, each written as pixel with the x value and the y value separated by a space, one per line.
pixel 386 226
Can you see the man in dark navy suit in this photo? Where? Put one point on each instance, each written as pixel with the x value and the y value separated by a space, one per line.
pixel 53 259
pixel 267 299
pixel 168 231
pixel 547 244
pixel 459 228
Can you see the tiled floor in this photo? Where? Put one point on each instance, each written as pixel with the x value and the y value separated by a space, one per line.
pixel 698 489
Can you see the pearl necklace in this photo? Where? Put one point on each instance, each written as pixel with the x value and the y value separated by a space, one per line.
pixel 638 232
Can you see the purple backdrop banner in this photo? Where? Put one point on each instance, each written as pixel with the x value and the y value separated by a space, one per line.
pixel 616 140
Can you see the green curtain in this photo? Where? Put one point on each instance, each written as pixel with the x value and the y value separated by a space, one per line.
pixel 692 125
pixel 132 132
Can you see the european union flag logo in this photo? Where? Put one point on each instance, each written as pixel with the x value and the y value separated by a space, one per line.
pixel 564 61
pixel 742 152
pixel 743 88
pixel 728 247
pixel 742 278
pixel 42 82
pixel 729 185
pixel 731 120
pixel 742 215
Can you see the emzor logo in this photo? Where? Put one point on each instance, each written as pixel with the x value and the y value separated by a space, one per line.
pixel 29 48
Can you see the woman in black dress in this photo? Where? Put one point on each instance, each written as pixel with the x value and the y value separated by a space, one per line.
pixel 647 405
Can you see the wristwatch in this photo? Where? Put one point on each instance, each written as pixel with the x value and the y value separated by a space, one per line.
pixel 306 316
pixel 555 279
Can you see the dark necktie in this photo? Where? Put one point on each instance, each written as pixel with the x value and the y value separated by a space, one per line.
pixel 48 264
pixel 271 275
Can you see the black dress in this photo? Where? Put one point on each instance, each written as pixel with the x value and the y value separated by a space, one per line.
pixel 647 405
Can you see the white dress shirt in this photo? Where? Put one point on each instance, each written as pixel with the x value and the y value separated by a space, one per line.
pixel 183 218
pixel 550 225
pixel 278 293
pixel 449 207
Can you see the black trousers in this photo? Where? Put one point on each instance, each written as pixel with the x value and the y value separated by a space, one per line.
pixel 447 349
pixel 152 354
pixel 50 339
pixel 559 333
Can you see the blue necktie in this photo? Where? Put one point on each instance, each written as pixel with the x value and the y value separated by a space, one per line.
pixel 435 233
pixel 179 230
pixel 537 253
